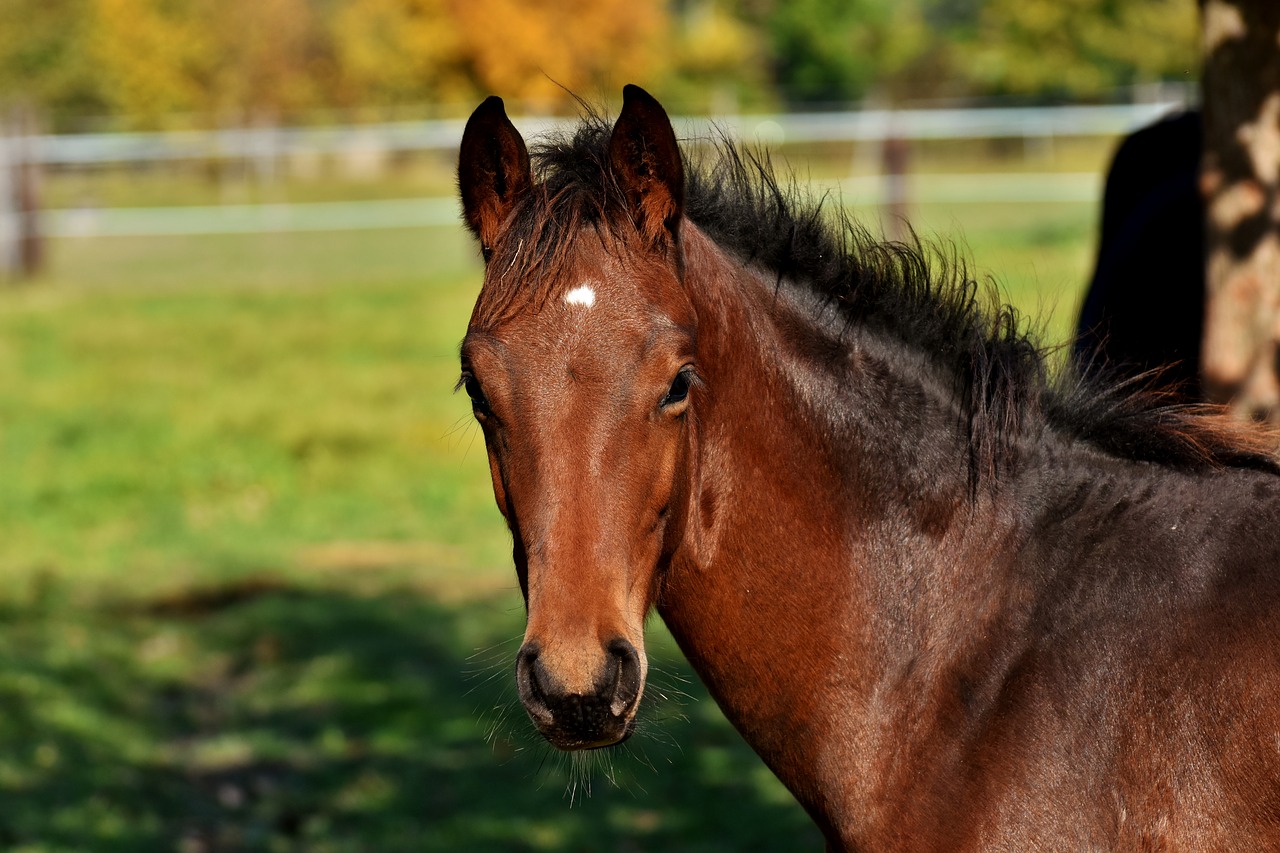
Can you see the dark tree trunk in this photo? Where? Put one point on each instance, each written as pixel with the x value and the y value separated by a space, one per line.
pixel 1240 181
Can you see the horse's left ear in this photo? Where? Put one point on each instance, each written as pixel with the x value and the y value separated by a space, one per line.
pixel 645 159
pixel 493 171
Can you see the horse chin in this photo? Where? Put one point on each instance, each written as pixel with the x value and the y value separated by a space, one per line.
pixel 576 742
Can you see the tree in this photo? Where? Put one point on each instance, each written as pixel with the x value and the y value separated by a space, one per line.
pixel 398 51
pixel 211 57
pixel 535 50
pixel 153 58
pixel 43 56
pixel 1241 185
pixel 272 56
pixel 714 59
pixel 1081 47
pixel 836 50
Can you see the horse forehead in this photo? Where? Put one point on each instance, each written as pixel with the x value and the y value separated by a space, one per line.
pixel 600 317
pixel 582 296
pixel 589 314
pixel 569 350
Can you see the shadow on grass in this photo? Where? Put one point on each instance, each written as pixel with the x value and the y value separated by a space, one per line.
pixel 279 718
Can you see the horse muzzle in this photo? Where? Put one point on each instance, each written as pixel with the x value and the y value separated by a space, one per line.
pixel 601 715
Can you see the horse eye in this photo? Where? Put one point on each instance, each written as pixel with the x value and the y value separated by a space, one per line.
pixel 678 391
pixel 478 401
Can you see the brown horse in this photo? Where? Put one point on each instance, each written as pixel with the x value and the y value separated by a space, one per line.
pixel 953 603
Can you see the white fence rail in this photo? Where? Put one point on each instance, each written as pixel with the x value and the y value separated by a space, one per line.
pixel 436 212
pixel 861 126
pixel 266 146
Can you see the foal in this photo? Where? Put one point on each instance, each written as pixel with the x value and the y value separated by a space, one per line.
pixel 952 604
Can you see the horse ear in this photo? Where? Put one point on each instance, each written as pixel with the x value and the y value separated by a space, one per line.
pixel 645 159
pixel 493 171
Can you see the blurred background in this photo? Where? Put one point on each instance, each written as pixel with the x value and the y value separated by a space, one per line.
pixel 254 593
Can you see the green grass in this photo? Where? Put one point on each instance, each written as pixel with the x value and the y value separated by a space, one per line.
pixel 195 183
pixel 253 590
pixel 208 415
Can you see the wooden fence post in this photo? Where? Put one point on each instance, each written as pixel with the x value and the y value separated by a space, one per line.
pixel 895 157
pixel 9 242
pixel 20 239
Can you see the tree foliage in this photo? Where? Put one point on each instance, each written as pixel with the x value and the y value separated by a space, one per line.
pixel 144 61
pixel 835 50
pixel 714 58
pixel 42 57
pixel 221 58
pixel 534 50
pixel 1083 47
pixel 397 51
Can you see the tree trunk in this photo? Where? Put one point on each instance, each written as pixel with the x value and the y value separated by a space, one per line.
pixel 1240 181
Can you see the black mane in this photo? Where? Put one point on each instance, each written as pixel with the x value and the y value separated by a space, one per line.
pixel 923 297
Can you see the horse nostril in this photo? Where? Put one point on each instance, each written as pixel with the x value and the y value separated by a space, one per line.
pixel 626 676
pixel 531 690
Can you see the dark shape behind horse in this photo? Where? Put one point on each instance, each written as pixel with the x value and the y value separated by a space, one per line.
pixel 1144 310
pixel 953 604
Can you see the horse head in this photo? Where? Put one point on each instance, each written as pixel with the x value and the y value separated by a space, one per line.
pixel 580 364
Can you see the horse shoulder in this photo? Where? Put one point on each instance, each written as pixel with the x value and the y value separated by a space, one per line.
pixel 1135 678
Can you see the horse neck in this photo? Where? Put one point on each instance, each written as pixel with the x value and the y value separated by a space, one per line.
pixel 828 524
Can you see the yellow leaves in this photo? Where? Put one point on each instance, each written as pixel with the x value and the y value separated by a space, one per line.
pixel 392 51
pixel 234 61
pixel 217 57
pixel 444 50
pixel 530 49
pixel 148 57
pixel 266 61
pixel 712 41
pixel 240 60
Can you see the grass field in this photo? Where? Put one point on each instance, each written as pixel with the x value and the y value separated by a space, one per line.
pixel 253 590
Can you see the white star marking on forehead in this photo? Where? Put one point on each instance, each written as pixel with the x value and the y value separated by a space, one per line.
pixel 581 295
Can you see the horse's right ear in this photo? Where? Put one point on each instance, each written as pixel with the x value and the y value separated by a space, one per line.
pixel 493 171
pixel 646 161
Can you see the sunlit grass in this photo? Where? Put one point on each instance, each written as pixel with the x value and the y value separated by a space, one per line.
pixel 146 426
